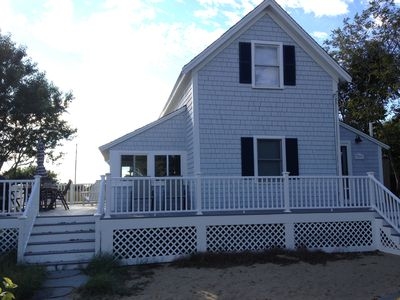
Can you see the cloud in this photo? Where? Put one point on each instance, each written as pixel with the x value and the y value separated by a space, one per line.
pixel 317 7
pixel 319 35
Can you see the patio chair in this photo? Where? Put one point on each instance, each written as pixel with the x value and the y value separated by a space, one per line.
pixel 57 195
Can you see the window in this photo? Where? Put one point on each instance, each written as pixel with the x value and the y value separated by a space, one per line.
pixel 167 165
pixel 269 157
pixel 133 165
pixel 267 65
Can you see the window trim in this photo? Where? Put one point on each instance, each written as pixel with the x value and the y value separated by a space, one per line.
pixel 116 167
pixel 279 47
pixel 283 151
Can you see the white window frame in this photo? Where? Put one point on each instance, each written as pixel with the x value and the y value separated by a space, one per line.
pixel 283 151
pixel 279 49
pixel 115 161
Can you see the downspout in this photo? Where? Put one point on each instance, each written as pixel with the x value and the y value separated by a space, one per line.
pixel 196 125
pixel 337 130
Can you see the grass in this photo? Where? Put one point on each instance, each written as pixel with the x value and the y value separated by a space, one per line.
pixel 28 278
pixel 106 278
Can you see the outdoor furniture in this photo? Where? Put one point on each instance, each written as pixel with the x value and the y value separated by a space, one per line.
pixel 92 195
pixel 49 194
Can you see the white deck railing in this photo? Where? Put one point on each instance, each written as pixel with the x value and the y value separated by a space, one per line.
pixel 28 219
pixel 385 203
pixel 143 195
pixel 14 195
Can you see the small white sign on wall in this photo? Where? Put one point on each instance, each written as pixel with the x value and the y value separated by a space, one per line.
pixel 358 156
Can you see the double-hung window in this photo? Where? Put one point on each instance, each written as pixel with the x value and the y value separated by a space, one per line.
pixel 267 64
pixel 267 70
pixel 269 157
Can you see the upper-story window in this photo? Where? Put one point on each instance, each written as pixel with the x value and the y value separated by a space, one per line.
pixel 267 64
pixel 267 71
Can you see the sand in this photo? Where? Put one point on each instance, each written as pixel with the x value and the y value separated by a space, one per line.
pixel 367 277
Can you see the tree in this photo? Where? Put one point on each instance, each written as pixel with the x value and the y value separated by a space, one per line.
pixel 369 49
pixel 31 109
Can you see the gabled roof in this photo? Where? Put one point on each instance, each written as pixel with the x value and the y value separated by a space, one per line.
pixel 106 147
pixel 281 17
pixel 364 136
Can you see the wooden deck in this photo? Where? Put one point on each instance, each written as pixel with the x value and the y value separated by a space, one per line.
pixel 74 210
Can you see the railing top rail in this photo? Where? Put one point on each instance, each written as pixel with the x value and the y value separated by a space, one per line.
pixel 239 177
pixel 389 192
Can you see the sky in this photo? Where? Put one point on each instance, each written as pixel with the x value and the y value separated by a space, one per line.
pixel 121 58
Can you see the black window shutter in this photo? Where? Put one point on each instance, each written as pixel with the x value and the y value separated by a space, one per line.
pixel 289 65
pixel 247 156
pixel 292 157
pixel 245 62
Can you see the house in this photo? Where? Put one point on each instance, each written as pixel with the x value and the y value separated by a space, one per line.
pixel 259 101
pixel 248 154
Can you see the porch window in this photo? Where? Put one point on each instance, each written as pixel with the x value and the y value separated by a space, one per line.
pixel 133 165
pixel 167 165
pixel 269 157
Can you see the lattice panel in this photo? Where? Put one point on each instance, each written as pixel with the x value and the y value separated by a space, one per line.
pixel 333 234
pixel 154 242
pixel 387 242
pixel 8 239
pixel 233 238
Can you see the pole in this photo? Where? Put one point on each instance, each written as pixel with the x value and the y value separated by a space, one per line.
pixel 76 161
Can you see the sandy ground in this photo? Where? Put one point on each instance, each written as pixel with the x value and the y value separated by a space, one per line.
pixel 368 277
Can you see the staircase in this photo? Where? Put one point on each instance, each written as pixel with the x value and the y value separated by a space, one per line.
pixel 389 239
pixel 61 242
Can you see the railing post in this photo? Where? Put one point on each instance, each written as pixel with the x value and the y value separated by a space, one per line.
pixel 198 194
pixel 371 185
pixel 286 199
pixel 108 195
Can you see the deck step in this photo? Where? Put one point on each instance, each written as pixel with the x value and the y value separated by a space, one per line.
pixel 59 243
pixel 59 256
pixel 83 244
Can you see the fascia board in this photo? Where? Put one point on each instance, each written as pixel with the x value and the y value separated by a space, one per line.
pixel 364 135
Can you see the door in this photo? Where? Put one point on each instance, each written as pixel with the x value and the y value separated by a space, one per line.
pixel 344 153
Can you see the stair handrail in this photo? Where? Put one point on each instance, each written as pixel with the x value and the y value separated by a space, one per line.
pixel 386 204
pixel 28 218
pixel 100 202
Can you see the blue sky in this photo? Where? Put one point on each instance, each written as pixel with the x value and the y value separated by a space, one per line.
pixel 121 57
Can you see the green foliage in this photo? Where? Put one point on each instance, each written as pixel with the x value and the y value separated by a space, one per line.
pixel 8 285
pixel 106 278
pixel 28 173
pixel 368 47
pixel 31 108
pixel 29 278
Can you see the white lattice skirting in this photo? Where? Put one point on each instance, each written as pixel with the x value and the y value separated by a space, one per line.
pixel 149 240
pixel 8 239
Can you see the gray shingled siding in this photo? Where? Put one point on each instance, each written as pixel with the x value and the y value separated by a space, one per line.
pixel 229 110
pixel 364 156
pixel 166 136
